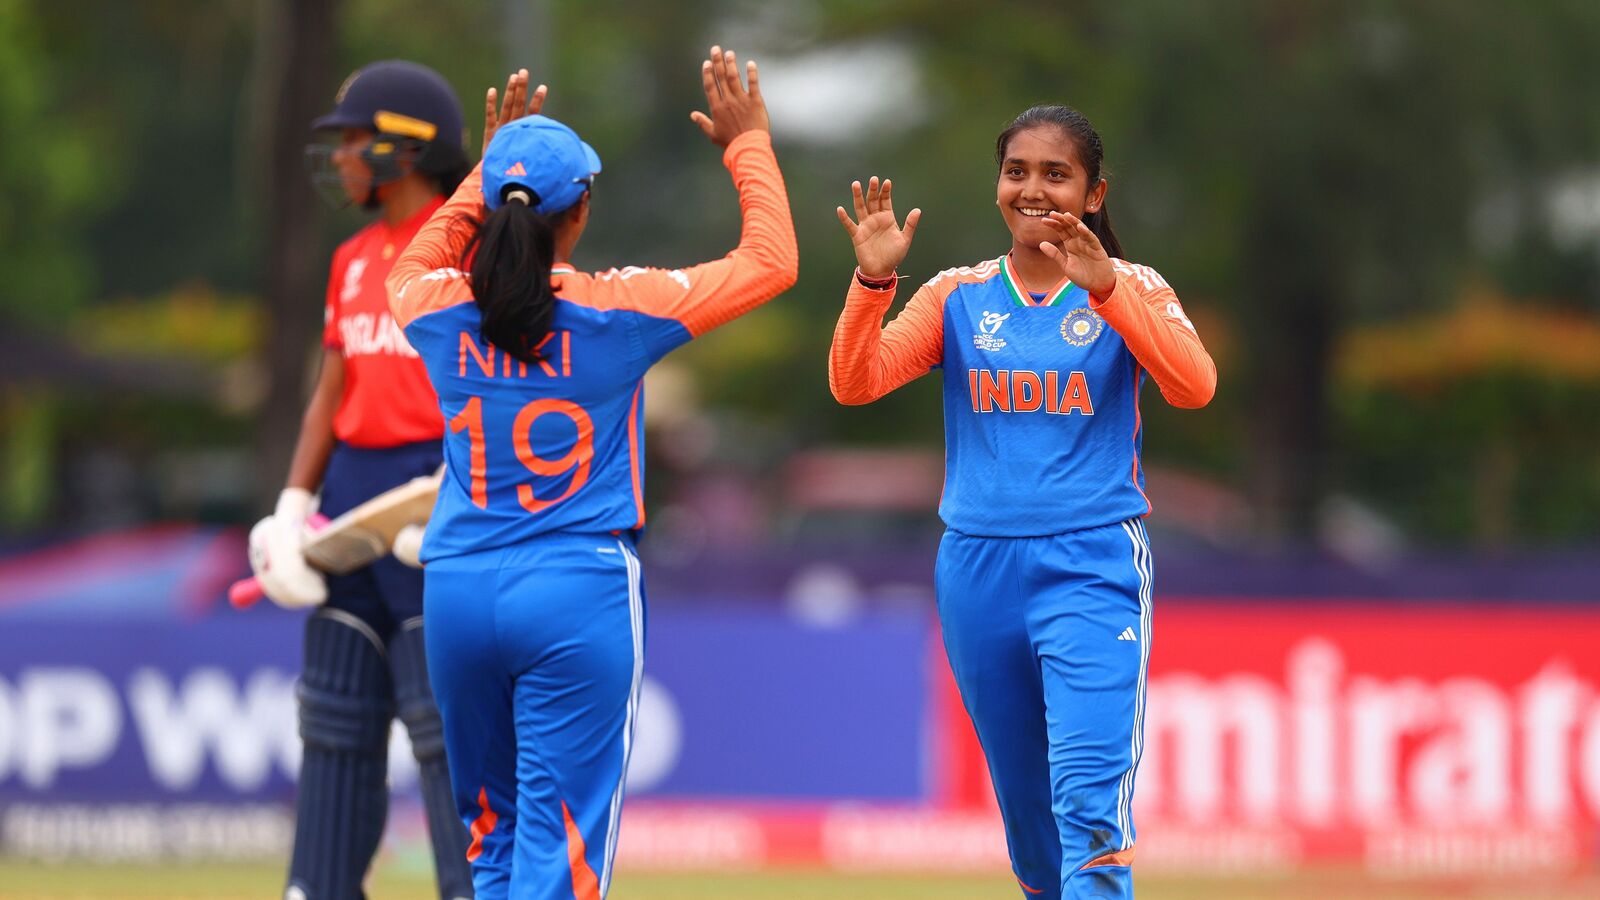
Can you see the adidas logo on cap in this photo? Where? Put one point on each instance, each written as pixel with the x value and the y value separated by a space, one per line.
pixel 516 170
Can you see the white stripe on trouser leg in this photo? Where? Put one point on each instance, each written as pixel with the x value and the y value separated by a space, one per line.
pixel 1134 528
pixel 636 626
pixel 1146 609
pixel 1146 583
pixel 1123 783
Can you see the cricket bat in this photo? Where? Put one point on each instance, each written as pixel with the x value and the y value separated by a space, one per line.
pixel 357 538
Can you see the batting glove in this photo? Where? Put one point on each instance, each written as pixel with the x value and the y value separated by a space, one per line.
pixel 408 545
pixel 276 557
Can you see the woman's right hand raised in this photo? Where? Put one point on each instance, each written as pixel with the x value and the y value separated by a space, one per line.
pixel 881 243
pixel 734 110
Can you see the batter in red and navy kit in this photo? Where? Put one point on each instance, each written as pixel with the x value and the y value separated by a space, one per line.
pixel 373 423
pixel 1044 575
pixel 535 599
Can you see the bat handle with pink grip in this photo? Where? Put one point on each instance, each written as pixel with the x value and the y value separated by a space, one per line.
pixel 247 592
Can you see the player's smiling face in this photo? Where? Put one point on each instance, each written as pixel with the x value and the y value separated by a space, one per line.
pixel 353 170
pixel 1042 173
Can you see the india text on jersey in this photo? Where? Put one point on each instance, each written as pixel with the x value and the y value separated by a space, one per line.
pixel 1023 391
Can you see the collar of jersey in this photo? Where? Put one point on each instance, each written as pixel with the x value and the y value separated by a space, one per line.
pixel 563 269
pixel 1020 295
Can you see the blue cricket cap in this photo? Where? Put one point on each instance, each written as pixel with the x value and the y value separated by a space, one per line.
pixel 543 156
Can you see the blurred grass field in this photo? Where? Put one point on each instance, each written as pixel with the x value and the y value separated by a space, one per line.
pixel 36 881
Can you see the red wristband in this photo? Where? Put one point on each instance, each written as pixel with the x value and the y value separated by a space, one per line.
pixel 876 284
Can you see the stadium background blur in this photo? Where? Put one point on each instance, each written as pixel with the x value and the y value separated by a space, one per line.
pixel 1377 656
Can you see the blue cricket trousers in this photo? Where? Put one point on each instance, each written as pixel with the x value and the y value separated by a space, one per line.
pixel 536 653
pixel 1049 639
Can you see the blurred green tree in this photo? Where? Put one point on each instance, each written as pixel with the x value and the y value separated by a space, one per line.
pixel 1299 167
pixel 56 182
pixel 1297 170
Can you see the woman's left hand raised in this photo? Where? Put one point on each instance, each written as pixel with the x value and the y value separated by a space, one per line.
pixel 1079 254
pixel 514 104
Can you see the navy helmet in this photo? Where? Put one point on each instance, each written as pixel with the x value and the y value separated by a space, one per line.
pixel 414 115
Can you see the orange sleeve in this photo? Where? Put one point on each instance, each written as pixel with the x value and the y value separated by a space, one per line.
pixel 1144 309
pixel 764 265
pixel 426 277
pixel 868 359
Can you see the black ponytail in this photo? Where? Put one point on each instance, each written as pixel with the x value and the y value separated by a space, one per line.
pixel 515 247
pixel 1090 152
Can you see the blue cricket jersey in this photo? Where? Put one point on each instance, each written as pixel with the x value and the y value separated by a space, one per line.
pixel 1041 393
pixel 558 445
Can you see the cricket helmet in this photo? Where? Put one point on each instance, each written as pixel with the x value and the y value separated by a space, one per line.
pixel 414 115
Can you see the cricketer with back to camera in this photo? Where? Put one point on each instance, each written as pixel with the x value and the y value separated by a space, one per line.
pixel 535 613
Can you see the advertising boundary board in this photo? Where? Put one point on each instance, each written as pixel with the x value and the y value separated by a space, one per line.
pixel 1411 740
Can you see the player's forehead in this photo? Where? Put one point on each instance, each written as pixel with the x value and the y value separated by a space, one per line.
pixel 1042 145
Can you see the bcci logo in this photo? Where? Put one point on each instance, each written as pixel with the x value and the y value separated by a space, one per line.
pixel 1081 327
pixel 986 339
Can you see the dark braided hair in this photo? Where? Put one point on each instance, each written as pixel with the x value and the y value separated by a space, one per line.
pixel 1090 152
